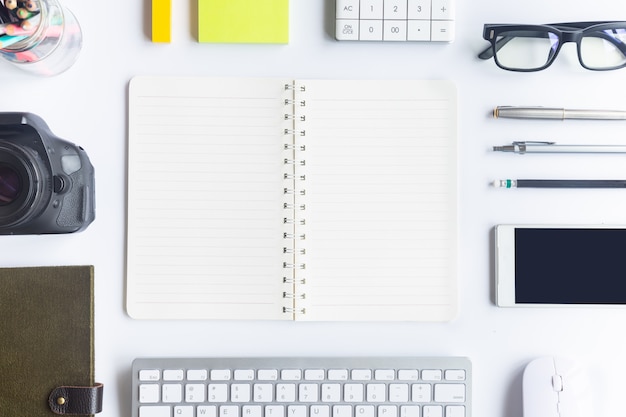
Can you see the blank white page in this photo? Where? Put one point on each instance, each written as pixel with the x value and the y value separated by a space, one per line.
pixel 381 200
pixel 205 198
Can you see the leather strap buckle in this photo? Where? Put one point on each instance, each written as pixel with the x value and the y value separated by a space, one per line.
pixel 70 400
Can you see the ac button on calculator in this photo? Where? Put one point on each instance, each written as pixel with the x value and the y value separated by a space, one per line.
pixel 395 20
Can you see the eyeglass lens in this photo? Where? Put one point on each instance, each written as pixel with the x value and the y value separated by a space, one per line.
pixel 523 49
pixel 603 49
pixel 532 49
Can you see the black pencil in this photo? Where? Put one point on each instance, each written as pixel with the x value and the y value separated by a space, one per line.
pixel 560 183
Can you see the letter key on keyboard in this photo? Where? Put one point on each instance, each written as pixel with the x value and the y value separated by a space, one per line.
pixel 302 387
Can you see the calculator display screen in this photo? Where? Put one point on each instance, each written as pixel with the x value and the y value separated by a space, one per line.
pixel 570 266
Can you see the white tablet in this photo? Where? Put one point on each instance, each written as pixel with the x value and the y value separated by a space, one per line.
pixel 557 265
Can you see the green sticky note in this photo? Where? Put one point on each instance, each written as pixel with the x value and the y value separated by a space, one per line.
pixel 243 21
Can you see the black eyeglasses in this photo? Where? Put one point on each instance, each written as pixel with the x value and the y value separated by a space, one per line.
pixel 600 45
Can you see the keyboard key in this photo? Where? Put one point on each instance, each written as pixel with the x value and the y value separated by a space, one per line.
pixel 398 393
pixel 353 393
pixel 252 411
pixel 206 411
pixel 432 411
pixel 149 375
pixel 240 393
pixel 155 411
pixel 183 411
pixel 285 393
pixel 314 374
pixel 149 393
pixel 449 393
pixel 364 411
pixel 361 374
pixel 220 374
pixel 268 374
pixel 384 374
pixel 218 393
pixel 421 393
pixel 455 411
pixel 228 411
pixel 410 411
pixel 320 410
pixel 308 393
pixel 342 411
pixel 454 375
pixel 291 374
pixel 331 393
pixel 275 411
pixel 173 375
pixel 172 393
pixel 244 374
pixel 194 393
pixel 263 393
pixel 408 375
pixel 387 411
pixel 376 393
pixel 197 375
pixel 431 375
pixel 338 374
pixel 296 411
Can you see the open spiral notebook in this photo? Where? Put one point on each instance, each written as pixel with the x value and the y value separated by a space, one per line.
pixel 283 199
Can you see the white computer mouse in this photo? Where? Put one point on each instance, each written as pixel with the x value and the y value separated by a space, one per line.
pixel 556 387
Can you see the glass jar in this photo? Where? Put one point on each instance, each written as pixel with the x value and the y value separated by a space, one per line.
pixel 39 36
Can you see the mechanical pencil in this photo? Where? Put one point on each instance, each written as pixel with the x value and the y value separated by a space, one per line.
pixel 552 147
pixel 559 183
pixel 514 112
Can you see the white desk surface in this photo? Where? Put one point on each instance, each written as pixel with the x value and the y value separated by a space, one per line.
pixel 88 105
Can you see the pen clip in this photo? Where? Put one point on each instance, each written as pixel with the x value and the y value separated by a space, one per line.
pixel 533 142
pixel 521 145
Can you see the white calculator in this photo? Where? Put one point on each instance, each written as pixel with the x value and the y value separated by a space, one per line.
pixel 395 20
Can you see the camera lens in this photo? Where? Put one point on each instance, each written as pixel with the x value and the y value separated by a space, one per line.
pixel 10 184
pixel 25 185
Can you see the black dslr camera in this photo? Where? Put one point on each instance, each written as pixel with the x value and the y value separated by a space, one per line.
pixel 46 183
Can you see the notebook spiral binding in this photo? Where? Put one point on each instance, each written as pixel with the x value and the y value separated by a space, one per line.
pixel 294 191
pixel 291 310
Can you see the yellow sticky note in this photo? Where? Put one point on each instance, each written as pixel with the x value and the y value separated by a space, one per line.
pixel 161 20
pixel 243 21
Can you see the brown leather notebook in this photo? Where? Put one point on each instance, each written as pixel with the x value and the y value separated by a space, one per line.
pixel 47 342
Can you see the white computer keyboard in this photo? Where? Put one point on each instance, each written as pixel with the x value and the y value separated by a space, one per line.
pixel 302 387
pixel 395 20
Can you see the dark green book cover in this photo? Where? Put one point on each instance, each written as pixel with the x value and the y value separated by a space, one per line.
pixel 46 335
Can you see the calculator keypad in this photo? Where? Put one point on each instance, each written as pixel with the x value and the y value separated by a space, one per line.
pixel 395 20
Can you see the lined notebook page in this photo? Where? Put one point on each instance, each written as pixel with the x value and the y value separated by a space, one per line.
pixel 205 198
pixel 381 219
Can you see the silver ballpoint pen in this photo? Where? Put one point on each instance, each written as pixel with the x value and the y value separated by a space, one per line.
pixel 552 147
pixel 513 112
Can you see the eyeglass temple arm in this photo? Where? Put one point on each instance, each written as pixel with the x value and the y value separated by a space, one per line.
pixel 489 52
